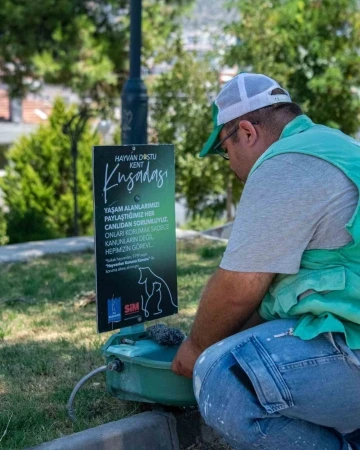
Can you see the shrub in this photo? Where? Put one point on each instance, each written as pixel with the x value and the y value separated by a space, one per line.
pixel 38 182
pixel 3 237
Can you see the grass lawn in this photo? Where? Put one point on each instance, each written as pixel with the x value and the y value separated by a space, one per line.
pixel 48 342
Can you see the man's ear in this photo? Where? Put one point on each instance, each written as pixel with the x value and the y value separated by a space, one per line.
pixel 248 132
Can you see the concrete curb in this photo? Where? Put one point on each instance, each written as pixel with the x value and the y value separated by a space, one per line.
pixel 145 431
pixel 155 430
pixel 222 232
pixel 30 250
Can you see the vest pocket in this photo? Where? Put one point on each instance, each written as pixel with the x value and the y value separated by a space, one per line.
pixel 288 292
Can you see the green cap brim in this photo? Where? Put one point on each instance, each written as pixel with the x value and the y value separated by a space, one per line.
pixel 208 148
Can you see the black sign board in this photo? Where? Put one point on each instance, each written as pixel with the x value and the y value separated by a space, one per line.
pixel 135 242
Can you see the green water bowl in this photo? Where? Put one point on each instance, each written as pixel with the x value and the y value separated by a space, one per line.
pixel 145 373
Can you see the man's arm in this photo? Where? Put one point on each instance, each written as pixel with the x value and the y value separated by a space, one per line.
pixel 228 302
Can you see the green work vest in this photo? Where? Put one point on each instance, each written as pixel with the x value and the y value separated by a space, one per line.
pixel 325 294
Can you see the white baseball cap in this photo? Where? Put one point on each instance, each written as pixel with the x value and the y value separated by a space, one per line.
pixel 244 93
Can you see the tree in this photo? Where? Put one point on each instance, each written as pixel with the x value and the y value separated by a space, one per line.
pixel 181 115
pixel 309 46
pixel 38 182
pixel 80 44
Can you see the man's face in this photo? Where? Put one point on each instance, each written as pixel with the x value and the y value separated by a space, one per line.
pixel 244 147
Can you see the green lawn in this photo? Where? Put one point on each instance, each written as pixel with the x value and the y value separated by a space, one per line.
pixel 48 342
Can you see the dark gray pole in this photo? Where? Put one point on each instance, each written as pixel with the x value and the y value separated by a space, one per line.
pixel 74 152
pixel 74 128
pixel 134 96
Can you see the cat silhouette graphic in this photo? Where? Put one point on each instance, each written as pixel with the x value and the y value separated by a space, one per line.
pixel 157 292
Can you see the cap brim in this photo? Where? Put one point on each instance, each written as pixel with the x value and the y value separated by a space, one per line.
pixel 208 148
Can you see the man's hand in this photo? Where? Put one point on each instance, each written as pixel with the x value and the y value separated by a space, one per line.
pixel 228 302
pixel 184 361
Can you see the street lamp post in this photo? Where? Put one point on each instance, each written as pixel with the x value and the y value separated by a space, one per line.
pixel 134 96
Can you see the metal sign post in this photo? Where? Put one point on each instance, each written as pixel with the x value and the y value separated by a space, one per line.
pixel 134 104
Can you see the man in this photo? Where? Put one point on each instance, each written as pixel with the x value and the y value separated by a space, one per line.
pixel 289 281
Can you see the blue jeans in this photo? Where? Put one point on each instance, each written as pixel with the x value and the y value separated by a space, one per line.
pixel 266 389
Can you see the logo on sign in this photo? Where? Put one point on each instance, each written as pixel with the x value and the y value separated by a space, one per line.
pixel 114 309
pixel 132 308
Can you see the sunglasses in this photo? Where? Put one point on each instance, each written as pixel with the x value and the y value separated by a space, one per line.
pixel 223 151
